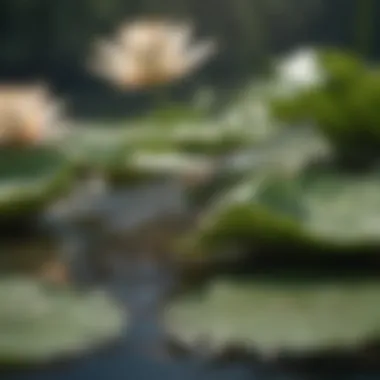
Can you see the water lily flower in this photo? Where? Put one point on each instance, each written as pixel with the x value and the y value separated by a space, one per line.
pixel 301 70
pixel 149 53
pixel 28 114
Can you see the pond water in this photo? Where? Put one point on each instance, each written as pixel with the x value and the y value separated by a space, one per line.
pixel 142 285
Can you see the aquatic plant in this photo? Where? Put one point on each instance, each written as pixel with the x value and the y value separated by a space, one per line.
pixel 147 53
pixel 40 323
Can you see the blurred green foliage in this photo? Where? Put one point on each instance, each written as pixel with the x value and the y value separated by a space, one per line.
pixel 35 177
pixel 345 106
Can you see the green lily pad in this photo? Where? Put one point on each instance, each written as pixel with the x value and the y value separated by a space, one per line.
pixel 30 178
pixel 272 315
pixel 40 323
pixel 103 149
pixel 170 163
pixel 289 150
pixel 209 137
pixel 95 146
pixel 315 208
pixel 214 139
pixel 135 153
pixel 171 132
pixel 189 151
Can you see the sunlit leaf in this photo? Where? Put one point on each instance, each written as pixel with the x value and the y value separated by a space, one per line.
pixel 321 208
pixel 288 150
pixel 95 146
pixel 30 178
pixel 274 315
pixel 39 323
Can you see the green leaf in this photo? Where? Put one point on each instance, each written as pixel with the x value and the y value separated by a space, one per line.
pixel 169 163
pixel 39 323
pixel 345 107
pixel 95 146
pixel 274 315
pixel 288 150
pixel 182 153
pixel 212 139
pixel 317 208
pixel 30 178
pixel 118 152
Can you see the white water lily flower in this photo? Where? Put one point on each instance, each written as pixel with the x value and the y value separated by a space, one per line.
pixel 28 114
pixel 301 69
pixel 149 53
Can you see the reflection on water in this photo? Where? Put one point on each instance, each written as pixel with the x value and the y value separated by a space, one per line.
pixel 139 282
pixel 95 222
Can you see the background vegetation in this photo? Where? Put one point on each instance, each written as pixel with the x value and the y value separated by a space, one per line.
pixel 51 40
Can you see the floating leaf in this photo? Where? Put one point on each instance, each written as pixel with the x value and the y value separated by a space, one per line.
pixel 214 139
pixel 274 315
pixel 289 150
pixel 175 131
pixel 30 178
pixel 326 209
pixel 169 163
pixel 211 137
pixel 217 150
pixel 145 151
pixel 95 146
pixel 40 323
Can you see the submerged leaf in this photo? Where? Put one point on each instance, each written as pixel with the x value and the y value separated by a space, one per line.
pixel 273 315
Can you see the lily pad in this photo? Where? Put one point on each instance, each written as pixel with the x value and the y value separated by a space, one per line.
pixel 130 154
pixel 114 149
pixel 315 208
pixel 170 163
pixel 95 146
pixel 296 316
pixel 39 323
pixel 219 136
pixel 209 137
pixel 30 178
pixel 287 150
